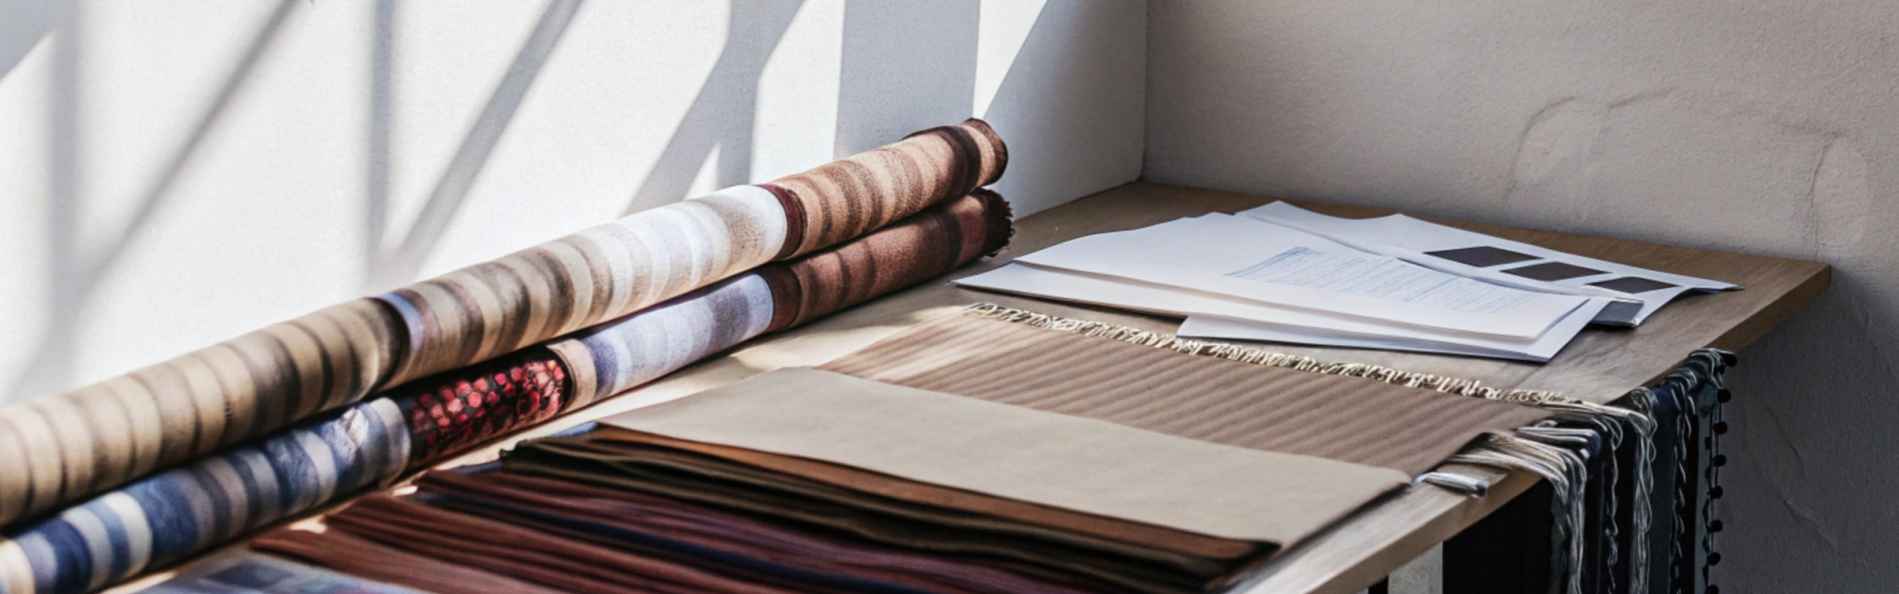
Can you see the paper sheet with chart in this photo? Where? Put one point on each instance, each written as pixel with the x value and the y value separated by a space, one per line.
pixel 1638 292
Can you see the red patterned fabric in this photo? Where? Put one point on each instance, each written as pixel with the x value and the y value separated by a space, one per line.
pixel 455 410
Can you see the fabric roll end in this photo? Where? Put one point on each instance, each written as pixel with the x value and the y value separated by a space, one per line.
pixel 795 219
pixel 994 139
pixel 582 377
pixel 998 221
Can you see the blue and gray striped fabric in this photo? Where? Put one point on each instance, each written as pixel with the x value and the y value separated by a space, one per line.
pixel 173 514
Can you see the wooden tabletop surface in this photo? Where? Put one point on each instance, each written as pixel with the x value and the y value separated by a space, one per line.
pixel 1600 365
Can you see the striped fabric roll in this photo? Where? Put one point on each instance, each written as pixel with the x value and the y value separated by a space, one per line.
pixel 639 349
pixel 168 516
pixel 164 517
pixel 615 269
pixel 848 198
pixel 577 281
pixel 58 449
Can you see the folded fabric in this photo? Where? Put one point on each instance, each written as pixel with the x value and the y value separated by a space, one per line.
pixel 165 517
pixel 1043 453
pixel 1218 393
pixel 921 493
pixel 59 449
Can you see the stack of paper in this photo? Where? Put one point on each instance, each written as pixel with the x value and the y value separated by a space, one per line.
pixel 1268 275
pixel 1637 292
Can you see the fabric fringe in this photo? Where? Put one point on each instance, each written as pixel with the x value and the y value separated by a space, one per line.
pixel 1555 450
pixel 1258 356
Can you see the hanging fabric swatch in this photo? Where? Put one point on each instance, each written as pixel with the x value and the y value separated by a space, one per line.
pixel 165 517
pixel 59 449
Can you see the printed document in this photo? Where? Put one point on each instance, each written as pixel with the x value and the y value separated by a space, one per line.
pixel 1264 264
pixel 1636 292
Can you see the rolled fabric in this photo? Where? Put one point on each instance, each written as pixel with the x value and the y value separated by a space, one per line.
pixel 849 197
pixel 622 267
pixel 58 450
pixel 166 517
pixel 618 356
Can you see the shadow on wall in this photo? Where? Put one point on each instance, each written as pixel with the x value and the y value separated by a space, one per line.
pixel 722 113
pixel 388 266
pixel 26 24
pixel 74 271
pixel 886 88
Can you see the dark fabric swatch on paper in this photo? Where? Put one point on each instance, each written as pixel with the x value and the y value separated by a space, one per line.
pixel 1482 256
pixel 1552 271
pixel 1632 284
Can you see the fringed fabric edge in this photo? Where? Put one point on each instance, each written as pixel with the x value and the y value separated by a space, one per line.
pixel 1553 449
pixel 1259 356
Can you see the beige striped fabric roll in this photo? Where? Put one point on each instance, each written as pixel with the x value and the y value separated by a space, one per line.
pixel 581 280
pixel 60 448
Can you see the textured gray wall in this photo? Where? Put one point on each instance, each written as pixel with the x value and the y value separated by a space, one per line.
pixel 1765 127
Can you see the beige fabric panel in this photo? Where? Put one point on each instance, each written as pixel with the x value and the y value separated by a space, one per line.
pixel 1349 419
pixel 1020 453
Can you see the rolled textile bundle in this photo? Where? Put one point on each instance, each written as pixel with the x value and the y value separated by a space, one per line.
pixel 165 517
pixel 57 450
pixel 618 356
pixel 615 269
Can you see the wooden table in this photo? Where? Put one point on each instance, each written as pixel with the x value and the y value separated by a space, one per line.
pixel 1601 365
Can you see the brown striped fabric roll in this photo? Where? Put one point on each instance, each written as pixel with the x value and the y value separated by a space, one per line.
pixel 850 197
pixel 57 449
pixel 921 247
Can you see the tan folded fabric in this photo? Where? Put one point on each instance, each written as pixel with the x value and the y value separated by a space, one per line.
pixel 884 485
pixel 1028 552
pixel 1019 453
pixel 1347 419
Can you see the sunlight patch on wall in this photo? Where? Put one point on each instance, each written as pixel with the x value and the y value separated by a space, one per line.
pixel 1005 28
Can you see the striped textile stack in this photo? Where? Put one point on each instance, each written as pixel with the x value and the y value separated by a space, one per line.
pixel 468 356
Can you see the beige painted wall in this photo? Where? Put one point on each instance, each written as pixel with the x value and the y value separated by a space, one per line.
pixel 1765 127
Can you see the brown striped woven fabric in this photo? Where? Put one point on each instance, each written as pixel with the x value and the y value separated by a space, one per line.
pixel 1208 398
pixel 924 246
pixel 57 449
pixel 849 197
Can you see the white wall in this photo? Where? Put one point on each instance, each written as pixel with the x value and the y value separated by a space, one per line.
pixel 1764 127
pixel 176 173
